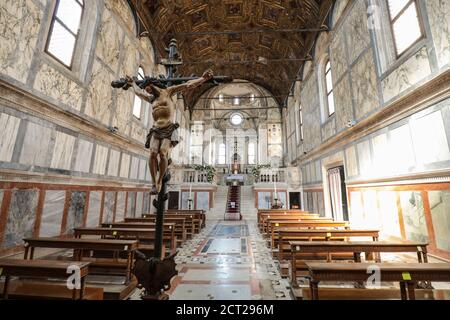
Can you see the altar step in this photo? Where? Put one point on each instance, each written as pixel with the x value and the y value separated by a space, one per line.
pixel 233 211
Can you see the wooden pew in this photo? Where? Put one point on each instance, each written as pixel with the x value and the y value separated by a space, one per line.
pixel 275 212
pixel 302 250
pixel 286 235
pixel 199 214
pixel 266 221
pixel 279 216
pixel 81 245
pixel 407 274
pixel 274 226
pixel 146 237
pixel 183 226
pixel 42 269
pixel 370 294
pixel 168 228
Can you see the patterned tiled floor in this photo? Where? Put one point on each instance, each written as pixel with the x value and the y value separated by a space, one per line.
pixel 229 261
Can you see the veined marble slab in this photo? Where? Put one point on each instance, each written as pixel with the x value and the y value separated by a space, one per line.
pixel 21 217
pixel 35 145
pixel 75 217
pixel 439 17
pixel 9 126
pixel 62 154
pixel 113 166
pixel 120 206
pixel 134 168
pixel 217 274
pixel 20 21
pixel 93 217
pixel 108 207
pixel 131 212
pixel 125 165
pixel 101 154
pixel 84 156
pixel 142 168
pixel 139 199
pixel 212 292
pixel 52 213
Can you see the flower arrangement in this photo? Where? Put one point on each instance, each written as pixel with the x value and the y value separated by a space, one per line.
pixel 209 170
pixel 256 170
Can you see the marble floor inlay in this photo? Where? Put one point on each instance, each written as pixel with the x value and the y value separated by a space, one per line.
pixel 228 261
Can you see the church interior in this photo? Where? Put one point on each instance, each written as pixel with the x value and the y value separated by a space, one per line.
pixel 225 150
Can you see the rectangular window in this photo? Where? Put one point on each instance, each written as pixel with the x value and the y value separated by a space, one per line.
pixel 137 106
pixel 64 30
pixel 405 22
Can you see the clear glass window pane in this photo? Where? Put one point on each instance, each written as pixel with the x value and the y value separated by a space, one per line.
pixel 61 44
pixel 395 6
pixel 69 12
pixel 329 80
pixel 141 74
pixel 331 108
pixel 137 107
pixel 407 29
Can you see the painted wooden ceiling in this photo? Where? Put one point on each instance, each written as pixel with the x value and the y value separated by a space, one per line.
pixel 264 42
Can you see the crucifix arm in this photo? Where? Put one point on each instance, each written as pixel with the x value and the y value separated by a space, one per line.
pixel 143 94
pixel 191 84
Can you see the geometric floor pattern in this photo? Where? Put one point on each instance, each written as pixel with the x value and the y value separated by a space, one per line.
pixel 228 260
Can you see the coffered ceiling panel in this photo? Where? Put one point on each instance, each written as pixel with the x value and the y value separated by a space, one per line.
pixel 265 42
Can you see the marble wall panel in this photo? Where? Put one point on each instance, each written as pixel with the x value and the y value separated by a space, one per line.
pixel 146 206
pixel 101 154
pixel 122 115
pixel 84 156
pixel 108 209
pixel 62 154
pixel 122 11
pixel 357 31
pixel 134 168
pixel 351 162
pixel 407 75
pixel 21 217
pixel 113 165
pixel 108 41
pixel 440 209
pixel 75 216
pixel 343 101
pixel 1 197
pixel 120 206
pixel 125 166
pixel 401 150
pixel 338 10
pixel 142 168
pixel 364 157
pixel 99 103
pixel 430 145
pixel 36 145
pixel 139 204
pixel 131 210
pixel 95 199
pixel 202 200
pixel 414 216
pixel 9 126
pixel 381 155
pixel 365 87
pixel 52 213
pixel 439 18
pixel 338 55
pixel 19 20
pixel 52 83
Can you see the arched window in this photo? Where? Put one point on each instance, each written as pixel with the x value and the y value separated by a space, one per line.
pixel 64 30
pixel 329 89
pixel 137 106
pixel 405 22
pixel 222 154
pixel 251 153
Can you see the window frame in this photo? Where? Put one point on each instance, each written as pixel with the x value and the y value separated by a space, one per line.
pixel 253 155
pixel 219 155
pixel 77 35
pixel 327 91
pixel 137 97
pixel 392 21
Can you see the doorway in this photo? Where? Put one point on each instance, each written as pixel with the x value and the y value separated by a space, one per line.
pixel 338 193
pixel 174 200
pixel 294 200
